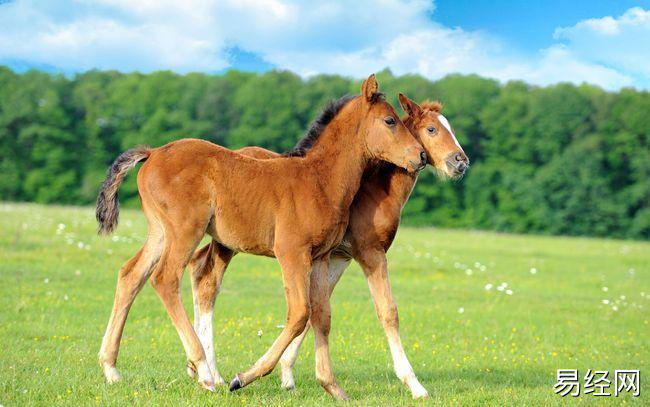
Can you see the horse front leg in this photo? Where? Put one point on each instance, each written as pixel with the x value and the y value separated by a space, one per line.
pixel 296 268
pixel 337 266
pixel 319 294
pixel 374 265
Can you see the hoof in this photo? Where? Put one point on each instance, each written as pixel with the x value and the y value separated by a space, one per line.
pixel 287 380
pixel 219 380
pixel 288 386
pixel 208 385
pixel 336 392
pixel 419 392
pixel 235 384
pixel 421 396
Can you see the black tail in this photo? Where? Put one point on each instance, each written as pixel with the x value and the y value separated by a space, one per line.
pixel 108 205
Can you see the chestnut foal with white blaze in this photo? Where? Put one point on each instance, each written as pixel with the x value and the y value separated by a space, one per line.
pixel 293 208
pixel 374 219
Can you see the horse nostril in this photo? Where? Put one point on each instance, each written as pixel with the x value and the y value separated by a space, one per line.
pixel 459 157
pixel 423 157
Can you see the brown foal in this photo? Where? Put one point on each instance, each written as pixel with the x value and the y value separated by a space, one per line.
pixel 374 219
pixel 294 208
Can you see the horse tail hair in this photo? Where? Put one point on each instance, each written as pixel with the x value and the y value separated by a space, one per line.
pixel 108 204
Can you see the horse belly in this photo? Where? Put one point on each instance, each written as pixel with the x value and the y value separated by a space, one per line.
pixel 330 239
pixel 243 235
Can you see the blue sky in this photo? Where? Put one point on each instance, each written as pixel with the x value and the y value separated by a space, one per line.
pixel 606 43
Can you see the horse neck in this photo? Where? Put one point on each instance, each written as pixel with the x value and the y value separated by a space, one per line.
pixel 402 183
pixel 395 181
pixel 339 159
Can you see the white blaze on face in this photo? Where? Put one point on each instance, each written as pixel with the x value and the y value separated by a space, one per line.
pixel 445 123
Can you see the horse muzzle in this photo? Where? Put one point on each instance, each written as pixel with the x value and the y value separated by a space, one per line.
pixel 457 164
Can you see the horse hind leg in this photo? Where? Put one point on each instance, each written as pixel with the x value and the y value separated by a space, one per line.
pixel 131 278
pixel 166 278
pixel 207 267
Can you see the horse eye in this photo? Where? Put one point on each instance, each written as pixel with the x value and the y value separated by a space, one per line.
pixel 390 121
pixel 431 129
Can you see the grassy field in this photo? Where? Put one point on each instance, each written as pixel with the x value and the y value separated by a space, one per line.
pixel 573 303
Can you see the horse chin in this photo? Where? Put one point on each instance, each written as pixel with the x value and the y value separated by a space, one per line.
pixel 441 173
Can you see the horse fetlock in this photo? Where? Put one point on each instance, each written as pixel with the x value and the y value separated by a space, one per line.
pixel 111 374
pixel 412 382
pixel 191 369
pixel 203 370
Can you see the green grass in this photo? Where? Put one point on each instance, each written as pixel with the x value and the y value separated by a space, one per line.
pixel 55 299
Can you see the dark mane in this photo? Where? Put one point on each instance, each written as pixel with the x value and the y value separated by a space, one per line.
pixel 318 125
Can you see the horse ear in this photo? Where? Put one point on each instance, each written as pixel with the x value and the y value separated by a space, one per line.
pixel 410 107
pixel 369 87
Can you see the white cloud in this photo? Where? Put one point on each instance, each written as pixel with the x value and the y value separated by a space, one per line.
pixel 112 34
pixel 622 43
pixel 350 38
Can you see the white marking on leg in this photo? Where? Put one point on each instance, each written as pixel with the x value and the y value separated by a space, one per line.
pixel 445 123
pixel 403 368
pixel 288 359
pixel 205 334
pixel 111 374
pixel 205 376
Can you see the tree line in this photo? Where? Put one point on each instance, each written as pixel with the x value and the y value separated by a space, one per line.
pixel 561 159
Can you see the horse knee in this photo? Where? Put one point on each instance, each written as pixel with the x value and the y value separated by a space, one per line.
pixel 298 322
pixel 163 284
